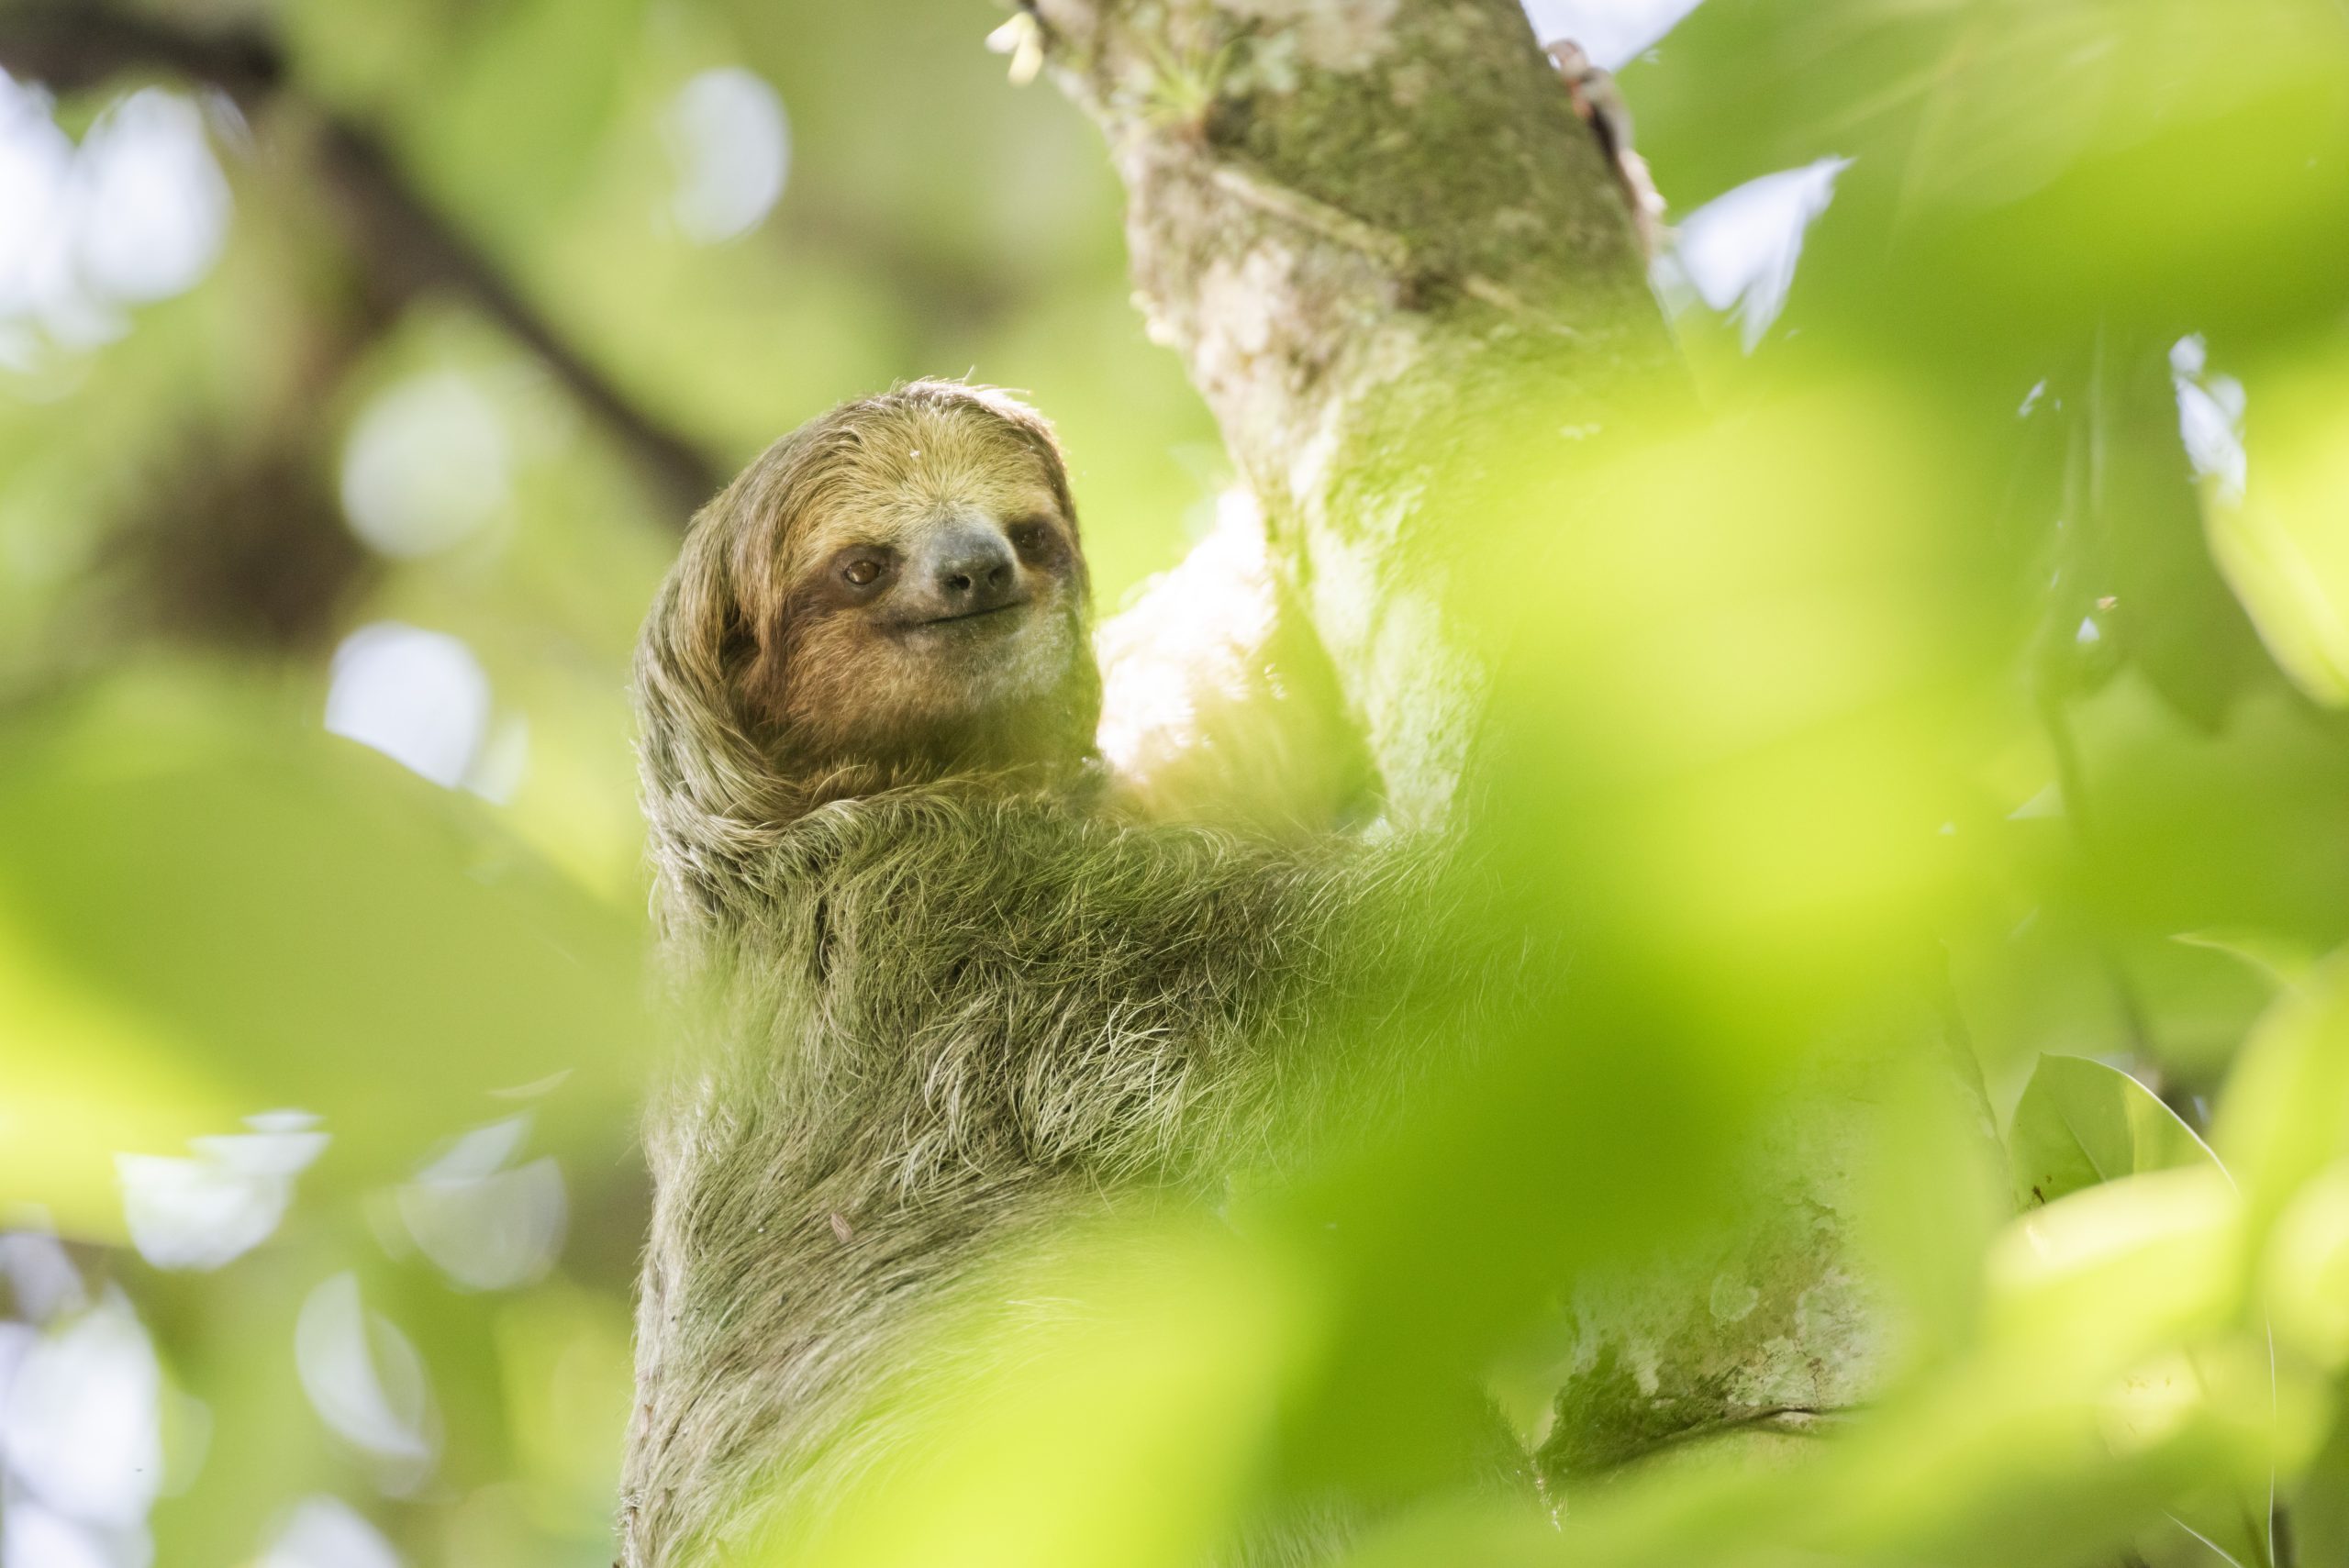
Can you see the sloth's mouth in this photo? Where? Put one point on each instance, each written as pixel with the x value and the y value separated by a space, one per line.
pixel 971 616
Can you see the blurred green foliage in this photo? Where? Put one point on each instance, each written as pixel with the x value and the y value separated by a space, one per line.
pixel 212 908
pixel 1987 638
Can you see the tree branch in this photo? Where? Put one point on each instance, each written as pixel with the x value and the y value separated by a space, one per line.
pixel 1404 274
pixel 1380 236
pixel 72 46
pixel 403 247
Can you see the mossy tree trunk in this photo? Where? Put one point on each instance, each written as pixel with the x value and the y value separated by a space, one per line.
pixel 1373 228
pixel 1378 234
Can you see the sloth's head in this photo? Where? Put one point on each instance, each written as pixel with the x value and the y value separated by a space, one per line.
pixel 898 582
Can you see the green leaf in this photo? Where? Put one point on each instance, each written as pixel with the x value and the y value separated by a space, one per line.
pixel 2081 1123
pixel 2005 143
pixel 213 906
pixel 2284 959
pixel 82 1077
pixel 2218 1529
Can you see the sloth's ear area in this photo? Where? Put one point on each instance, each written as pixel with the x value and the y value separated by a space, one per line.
pixel 738 647
pixel 753 634
pixel 684 692
pixel 705 634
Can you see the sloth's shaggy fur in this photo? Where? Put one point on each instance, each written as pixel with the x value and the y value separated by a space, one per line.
pixel 938 1006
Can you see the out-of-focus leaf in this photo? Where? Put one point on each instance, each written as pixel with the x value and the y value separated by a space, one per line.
pixel 2080 1122
pixel 2151 585
pixel 2226 1520
pixel 516 118
pixel 2285 1115
pixel 365 56
pixel 2117 1271
pixel 2306 1271
pixel 1713 795
pixel 1120 1412
pixel 2241 831
pixel 82 1079
pixel 1687 728
pixel 569 1386
pixel 2002 148
pixel 2282 958
pixel 2281 539
pixel 2320 1507
pixel 2136 1275
pixel 289 906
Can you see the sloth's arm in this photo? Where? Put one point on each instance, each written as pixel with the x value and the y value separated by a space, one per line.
pixel 1116 997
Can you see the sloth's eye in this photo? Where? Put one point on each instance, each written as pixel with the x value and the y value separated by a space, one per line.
pixel 1034 539
pixel 861 571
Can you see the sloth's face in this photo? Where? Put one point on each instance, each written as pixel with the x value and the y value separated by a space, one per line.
pixel 934 603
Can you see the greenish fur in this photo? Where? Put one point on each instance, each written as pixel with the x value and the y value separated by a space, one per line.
pixel 930 1017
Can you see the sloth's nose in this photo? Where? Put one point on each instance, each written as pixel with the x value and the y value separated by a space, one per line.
pixel 971 569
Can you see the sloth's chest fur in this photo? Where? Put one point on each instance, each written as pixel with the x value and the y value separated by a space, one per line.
pixel 923 1029
pixel 929 990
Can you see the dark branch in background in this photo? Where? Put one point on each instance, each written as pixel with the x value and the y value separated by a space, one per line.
pixel 404 248
pixel 411 251
pixel 75 44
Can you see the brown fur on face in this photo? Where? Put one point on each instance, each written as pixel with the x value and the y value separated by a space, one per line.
pixel 763 634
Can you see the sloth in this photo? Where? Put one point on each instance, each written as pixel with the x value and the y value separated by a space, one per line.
pixel 940 992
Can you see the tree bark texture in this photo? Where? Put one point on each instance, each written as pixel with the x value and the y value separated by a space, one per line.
pixel 1378 234
pixel 1371 229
